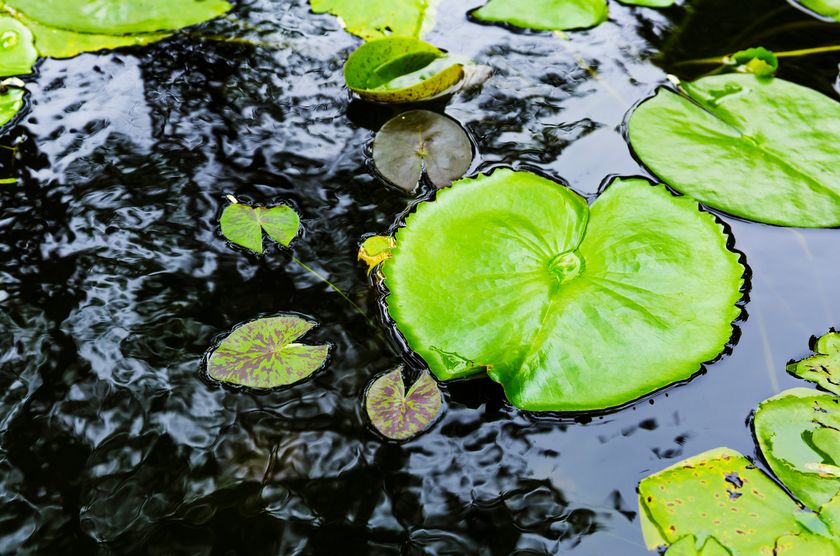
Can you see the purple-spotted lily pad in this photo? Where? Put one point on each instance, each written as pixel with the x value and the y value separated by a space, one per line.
pixel 264 353
pixel 397 415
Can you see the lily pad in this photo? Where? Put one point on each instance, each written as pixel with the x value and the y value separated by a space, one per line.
pixel 12 94
pixel 17 49
pixel 721 502
pixel 375 250
pixel 758 61
pixel 401 70
pixel 372 19
pixel 824 8
pixel 823 367
pixel 544 15
pixel 397 415
pixel 746 146
pixel 244 225
pixel 799 435
pixel 569 308
pixel 264 353
pixel 421 142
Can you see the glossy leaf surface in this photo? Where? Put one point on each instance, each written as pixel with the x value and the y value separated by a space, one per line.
pixel 11 101
pixel 17 49
pixel 746 146
pixel 244 225
pixel 825 8
pixel 422 142
pixel 721 502
pixel 799 435
pixel 570 309
pixel 400 70
pixel 544 15
pixel 375 250
pixel 758 61
pixel 371 19
pixel 824 366
pixel 264 354
pixel 397 415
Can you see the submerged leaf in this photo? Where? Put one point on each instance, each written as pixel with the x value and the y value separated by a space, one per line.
pixel 372 19
pixel 825 8
pixel 823 367
pixel 244 225
pixel 422 142
pixel 758 61
pixel 401 70
pixel 375 250
pixel 544 15
pixel 397 415
pixel 11 100
pixel 799 435
pixel 263 353
pixel 570 309
pixel 17 50
pixel 747 146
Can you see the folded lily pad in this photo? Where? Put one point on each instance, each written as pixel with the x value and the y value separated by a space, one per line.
pixel 799 435
pixel 375 250
pixel 17 49
pixel 825 8
pixel 544 15
pixel 824 367
pixel 12 94
pixel 264 353
pixel 397 415
pixel 401 70
pixel 569 308
pixel 746 146
pixel 244 225
pixel 421 142
pixel 721 502
pixel 758 61
pixel 372 19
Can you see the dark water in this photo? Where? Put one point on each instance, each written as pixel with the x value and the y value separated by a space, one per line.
pixel 115 280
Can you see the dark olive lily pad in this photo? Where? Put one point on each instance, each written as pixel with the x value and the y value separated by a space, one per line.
pixel 12 94
pixel 401 70
pixel 244 225
pixel 375 250
pixel 17 49
pixel 823 367
pixel 758 61
pixel 264 354
pixel 544 15
pixel 747 146
pixel 799 435
pixel 569 308
pixel 372 19
pixel 397 415
pixel 422 142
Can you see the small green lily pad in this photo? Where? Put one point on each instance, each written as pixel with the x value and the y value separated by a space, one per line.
pixel 375 250
pixel 397 415
pixel 12 94
pixel 264 354
pixel 758 61
pixel 823 367
pixel 17 48
pixel 373 19
pixel 824 8
pixel 401 70
pixel 244 225
pixel 799 435
pixel 544 15
pixel 421 142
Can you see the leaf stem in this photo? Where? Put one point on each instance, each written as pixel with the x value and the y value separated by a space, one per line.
pixel 323 278
pixel 785 54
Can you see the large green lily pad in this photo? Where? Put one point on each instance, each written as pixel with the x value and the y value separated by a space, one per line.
pixel 747 146
pixel 825 8
pixel 544 15
pixel 264 353
pixel 371 19
pixel 17 49
pixel 823 367
pixel 244 225
pixel 401 70
pixel 719 503
pixel 799 435
pixel 569 308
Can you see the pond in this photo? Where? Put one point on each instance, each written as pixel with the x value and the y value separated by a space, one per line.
pixel 115 280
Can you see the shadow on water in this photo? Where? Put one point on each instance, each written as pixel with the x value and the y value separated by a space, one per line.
pixel 114 280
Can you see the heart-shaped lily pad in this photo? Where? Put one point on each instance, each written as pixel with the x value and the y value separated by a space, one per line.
pixel 17 49
pixel 375 250
pixel 264 353
pixel 397 415
pixel 799 435
pixel 372 19
pixel 544 15
pixel 823 367
pixel 244 225
pixel 747 146
pixel 569 308
pixel 824 8
pixel 421 142
pixel 12 94
pixel 401 70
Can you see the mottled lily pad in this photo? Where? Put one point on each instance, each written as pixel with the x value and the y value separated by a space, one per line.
pixel 824 8
pixel 12 93
pixel 799 435
pixel 422 142
pixel 759 61
pixel 569 308
pixel 375 250
pixel 372 19
pixel 747 146
pixel 397 415
pixel 544 15
pixel 264 353
pixel 17 49
pixel 401 70
pixel 244 225
pixel 823 367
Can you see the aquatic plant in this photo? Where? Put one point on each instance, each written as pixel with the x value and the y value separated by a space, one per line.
pixel 244 225
pixel 398 415
pixel 824 366
pixel 371 19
